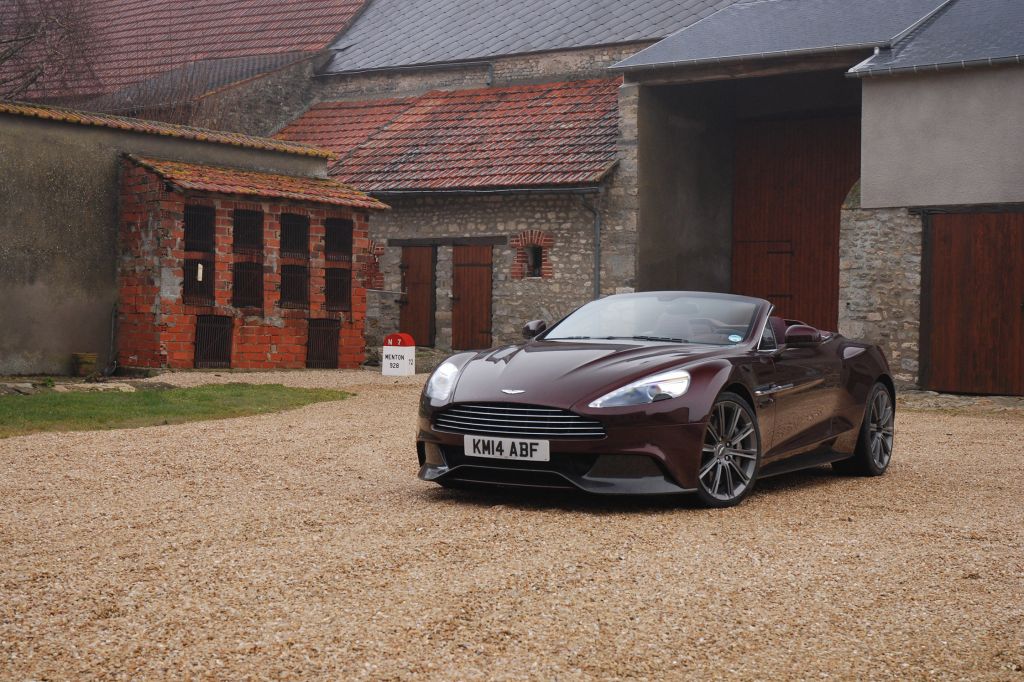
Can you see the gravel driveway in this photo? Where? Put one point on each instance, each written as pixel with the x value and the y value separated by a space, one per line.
pixel 301 545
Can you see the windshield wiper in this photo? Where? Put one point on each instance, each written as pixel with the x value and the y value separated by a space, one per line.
pixel 664 339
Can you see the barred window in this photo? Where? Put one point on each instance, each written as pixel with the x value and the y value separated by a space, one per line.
pixel 294 286
pixel 247 289
pixel 199 228
pixel 338 239
pixel 294 235
pixel 338 292
pixel 247 231
pixel 197 289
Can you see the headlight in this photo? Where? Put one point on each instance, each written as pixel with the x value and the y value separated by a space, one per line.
pixel 442 381
pixel 671 384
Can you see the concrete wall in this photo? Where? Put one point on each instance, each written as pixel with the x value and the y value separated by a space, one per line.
pixel 58 232
pixel 685 204
pixel 944 139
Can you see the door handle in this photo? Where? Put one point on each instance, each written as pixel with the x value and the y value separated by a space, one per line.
pixel 774 388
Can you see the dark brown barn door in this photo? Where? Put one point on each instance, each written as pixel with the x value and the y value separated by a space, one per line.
pixel 322 341
pixel 213 341
pixel 973 304
pixel 791 179
pixel 471 297
pixel 417 301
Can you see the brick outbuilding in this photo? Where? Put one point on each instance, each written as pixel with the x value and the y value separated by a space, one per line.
pixel 223 267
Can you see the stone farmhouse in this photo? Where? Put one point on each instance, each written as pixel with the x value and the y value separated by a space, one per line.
pixel 855 163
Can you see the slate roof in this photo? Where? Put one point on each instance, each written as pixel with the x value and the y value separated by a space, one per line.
pixel 394 33
pixel 134 40
pixel 964 33
pixel 530 136
pixel 762 28
pixel 191 81
pixel 135 125
pixel 343 126
pixel 232 181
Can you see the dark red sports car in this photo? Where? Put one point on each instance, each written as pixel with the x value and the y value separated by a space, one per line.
pixel 659 393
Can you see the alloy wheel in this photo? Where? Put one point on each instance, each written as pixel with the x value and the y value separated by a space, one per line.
pixel 729 456
pixel 881 429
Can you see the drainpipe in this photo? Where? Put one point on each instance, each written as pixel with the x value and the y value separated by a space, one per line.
pixel 596 211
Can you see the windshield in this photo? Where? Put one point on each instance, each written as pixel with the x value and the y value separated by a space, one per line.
pixel 668 317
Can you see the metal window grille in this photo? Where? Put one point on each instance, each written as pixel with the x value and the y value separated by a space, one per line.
pixel 294 235
pixel 294 286
pixel 338 239
pixel 534 261
pixel 322 344
pixel 247 231
pixel 338 292
pixel 213 341
pixel 197 289
pixel 199 228
pixel 247 287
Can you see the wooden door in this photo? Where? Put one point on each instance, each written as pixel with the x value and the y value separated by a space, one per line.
pixel 791 179
pixel 973 304
pixel 471 297
pixel 418 287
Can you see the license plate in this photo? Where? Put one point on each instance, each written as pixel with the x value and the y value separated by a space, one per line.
pixel 508 448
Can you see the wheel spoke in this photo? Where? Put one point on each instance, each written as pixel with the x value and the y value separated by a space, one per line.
pixel 729 486
pixel 734 423
pixel 718 478
pixel 721 421
pixel 743 476
pixel 744 454
pixel 704 470
pixel 713 432
pixel 744 435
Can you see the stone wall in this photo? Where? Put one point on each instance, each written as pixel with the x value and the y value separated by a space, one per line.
pixel 502 71
pixel 562 218
pixel 880 282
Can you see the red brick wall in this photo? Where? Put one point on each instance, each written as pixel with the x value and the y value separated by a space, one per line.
pixel 157 330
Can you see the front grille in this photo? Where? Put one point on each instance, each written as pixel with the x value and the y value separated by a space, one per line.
pixel 522 421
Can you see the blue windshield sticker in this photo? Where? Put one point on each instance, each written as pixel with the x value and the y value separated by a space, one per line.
pixel 735 338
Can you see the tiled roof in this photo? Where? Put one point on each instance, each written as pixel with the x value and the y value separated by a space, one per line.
pixel 154 128
pixel 964 33
pixel 753 29
pixel 342 126
pixel 550 135
pixel 133 40
pixel 218 180
pixel 393 33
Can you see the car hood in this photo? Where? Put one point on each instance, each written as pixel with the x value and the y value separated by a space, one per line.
pixel 562 373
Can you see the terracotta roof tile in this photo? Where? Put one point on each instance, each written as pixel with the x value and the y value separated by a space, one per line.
pixel 155 128
pixel 342 126
pixel 233 181
pixel 134 40
pixel 555 134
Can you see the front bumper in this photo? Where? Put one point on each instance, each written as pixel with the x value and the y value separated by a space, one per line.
pixel 635 457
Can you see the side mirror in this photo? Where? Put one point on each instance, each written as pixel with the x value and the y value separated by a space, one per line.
pixel 802 335
pixel 532 329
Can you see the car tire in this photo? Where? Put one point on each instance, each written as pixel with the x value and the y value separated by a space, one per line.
pixel 730 457
pixel 873 452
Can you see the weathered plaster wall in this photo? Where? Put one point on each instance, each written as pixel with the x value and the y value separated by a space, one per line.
pixel 880 282
pixel 944 139
pixel 514 301
pixel 58 232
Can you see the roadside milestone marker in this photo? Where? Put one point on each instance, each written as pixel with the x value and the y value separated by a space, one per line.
pixel 398 356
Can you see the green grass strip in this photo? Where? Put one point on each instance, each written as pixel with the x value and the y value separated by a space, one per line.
pixel 95 411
